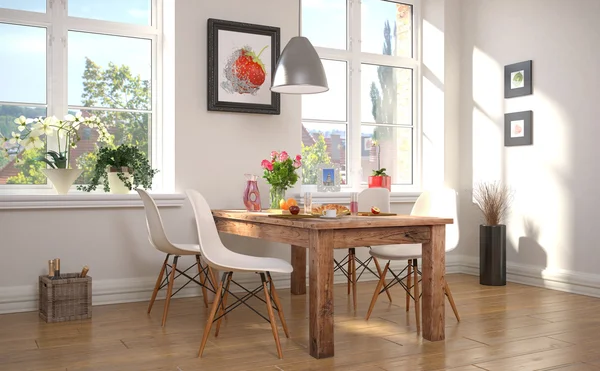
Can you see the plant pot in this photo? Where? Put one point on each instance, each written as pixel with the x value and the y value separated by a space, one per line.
pixel 492 255
pixel 62 179
pixel 116 185
pixel 380 181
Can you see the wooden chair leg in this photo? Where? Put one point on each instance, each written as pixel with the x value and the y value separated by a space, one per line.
pixel 202 280
pixel 213 278
pixel 417 295
pixel 451 300
pixel 211 316
pixel 379 273
pixel 278 305
pixel 353 275
pixel 271 316
pixel 349 270
pixel 169 290
pixel 377 290
pixel 408 284
pixel 224 305
pixel 158 282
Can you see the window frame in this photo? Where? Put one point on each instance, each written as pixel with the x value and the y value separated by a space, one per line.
pixel 58 24
pixel 354 57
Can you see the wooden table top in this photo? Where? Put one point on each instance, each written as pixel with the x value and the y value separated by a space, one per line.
pixel 343 222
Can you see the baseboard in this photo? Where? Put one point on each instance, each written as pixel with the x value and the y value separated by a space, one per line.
pixel 555 279
pixel 25 298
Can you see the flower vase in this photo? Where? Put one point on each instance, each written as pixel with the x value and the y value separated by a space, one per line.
pixel 62 179
pixel 276 194
pixel 117 186
pixel 251 193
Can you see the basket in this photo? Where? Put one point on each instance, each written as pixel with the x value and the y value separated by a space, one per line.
pixel 65 299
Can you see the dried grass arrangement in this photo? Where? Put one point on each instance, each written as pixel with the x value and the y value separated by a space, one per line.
pixel 493 198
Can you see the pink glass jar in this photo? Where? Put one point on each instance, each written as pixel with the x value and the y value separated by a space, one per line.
pixel 251 193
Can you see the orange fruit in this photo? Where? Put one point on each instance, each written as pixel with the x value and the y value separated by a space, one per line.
pixel 292 202
pixel 283 204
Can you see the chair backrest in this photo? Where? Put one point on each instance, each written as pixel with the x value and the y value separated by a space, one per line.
pixel 440 203
pixel 156 231
pixel 211 247
pixel 379 197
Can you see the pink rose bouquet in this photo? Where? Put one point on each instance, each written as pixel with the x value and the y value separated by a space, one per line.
pixel 280 173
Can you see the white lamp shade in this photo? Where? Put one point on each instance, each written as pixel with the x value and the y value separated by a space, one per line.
pixel 299 69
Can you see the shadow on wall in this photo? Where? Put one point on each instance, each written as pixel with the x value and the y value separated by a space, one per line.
pixel 529 249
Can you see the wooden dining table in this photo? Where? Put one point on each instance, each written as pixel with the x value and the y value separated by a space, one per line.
pixel 321 236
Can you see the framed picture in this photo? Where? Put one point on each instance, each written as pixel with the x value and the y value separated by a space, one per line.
pixel 241 63
pixel 518 128
pixel 328 178
pixel 518 79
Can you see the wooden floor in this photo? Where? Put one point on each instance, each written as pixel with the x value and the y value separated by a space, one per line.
pixel 509 328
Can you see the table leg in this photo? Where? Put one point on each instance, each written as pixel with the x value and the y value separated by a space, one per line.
pixel 321 293
pixel 298 286
pixel 433 300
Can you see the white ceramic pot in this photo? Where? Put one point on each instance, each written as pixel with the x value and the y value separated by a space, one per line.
pixel 116 185
pixel 62 179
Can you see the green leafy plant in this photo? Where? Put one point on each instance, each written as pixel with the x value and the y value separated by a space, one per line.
pixel 115 159
pixel 380 172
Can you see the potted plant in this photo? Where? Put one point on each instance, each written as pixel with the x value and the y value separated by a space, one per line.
pixel 379 179
pixel 121 169
pixel 493 200
pixel 62 135
pixel 280 173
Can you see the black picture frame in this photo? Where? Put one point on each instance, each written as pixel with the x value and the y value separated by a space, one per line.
pixel 226 91
pixel 518 128
pixel 515 86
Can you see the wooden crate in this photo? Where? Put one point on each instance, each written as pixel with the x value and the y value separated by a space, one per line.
pixel 66 299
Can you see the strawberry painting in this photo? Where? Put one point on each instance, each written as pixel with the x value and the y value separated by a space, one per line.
pixel 244 72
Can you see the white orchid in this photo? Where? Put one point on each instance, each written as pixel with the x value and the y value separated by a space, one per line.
pixel 32 142
pixel 22 122
pixel 44 127
pixel 29 132
pixel 16 138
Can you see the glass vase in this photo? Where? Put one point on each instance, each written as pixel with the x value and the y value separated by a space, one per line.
pixel 251 193
pixel 276 194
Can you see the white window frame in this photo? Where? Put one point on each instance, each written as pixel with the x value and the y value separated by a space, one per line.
pixel 354 57
pixel 58 23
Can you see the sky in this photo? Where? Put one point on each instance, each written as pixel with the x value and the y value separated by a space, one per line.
pixel 23 49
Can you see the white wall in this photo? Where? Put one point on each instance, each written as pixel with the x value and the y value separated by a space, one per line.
pixel 552 228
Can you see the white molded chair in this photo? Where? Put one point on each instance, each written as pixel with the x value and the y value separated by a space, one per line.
pixel 158 239
pixel 379 197
pixel 438 203
pixel 220 257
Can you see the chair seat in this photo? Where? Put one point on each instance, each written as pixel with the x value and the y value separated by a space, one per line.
pixel 396 252
pixel 232 261
pixel 182 249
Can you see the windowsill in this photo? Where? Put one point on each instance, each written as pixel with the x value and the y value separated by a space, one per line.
pixel 344 196
pixel 85 201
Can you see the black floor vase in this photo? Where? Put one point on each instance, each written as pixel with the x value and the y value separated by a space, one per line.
pixel 492 255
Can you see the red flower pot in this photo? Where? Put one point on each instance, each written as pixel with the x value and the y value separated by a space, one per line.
pixel 380 182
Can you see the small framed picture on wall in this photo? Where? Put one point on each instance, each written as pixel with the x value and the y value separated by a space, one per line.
pixel 518 80
pixel 518 128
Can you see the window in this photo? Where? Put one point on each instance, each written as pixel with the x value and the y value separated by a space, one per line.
pixel 368 118
pixel 78 56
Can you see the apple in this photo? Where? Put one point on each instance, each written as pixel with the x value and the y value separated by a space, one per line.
pixel 375 210
pixel 294 209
